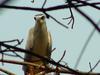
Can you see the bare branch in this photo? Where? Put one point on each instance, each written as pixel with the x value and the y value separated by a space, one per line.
pixel 7 72
pixel 18 43
pixel 58 21
pixel 62 56
pixel 89 4
pixel 53 49
pixel 61 70
pixel 17 55
pixel 34 54
pixel 85 46
pixel 14 40
pixel 44 3
pixel 72 16
pixel 45 9
pixel 88 18
pixel 10 55
pixel 95 66
pixel 90 66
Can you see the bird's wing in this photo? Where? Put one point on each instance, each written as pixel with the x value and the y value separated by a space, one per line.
pixel 30 39
pixel 49 47
pixel 29 43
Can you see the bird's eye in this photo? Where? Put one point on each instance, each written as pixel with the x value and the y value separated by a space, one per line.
pixel 42 17
pixel 34 18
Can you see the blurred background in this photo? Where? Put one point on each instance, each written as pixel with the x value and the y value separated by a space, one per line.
pixel 14 24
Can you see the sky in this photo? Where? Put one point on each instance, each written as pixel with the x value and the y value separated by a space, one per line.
pixel 14 24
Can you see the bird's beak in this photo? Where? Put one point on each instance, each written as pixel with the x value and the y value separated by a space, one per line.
pixel 39 22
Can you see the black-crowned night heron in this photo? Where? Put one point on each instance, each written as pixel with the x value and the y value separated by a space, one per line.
pixel 39 41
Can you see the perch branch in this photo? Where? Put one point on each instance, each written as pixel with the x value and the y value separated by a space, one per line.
pixel 34 54
pixel 50 69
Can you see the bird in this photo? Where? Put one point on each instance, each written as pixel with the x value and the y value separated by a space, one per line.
pixel 39 41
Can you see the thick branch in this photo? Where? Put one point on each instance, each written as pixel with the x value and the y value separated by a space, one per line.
pixel 45 9
pixel 50 69
pixel 34 54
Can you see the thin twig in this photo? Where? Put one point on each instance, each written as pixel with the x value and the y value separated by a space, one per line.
pixel 95 66
pixel 35 65
pixel 44 3
pixel 14 40
pixel 10 55
pixel 53 49
pixel 58 21
pixel 5 1
pixel 86 3
pixel 62 56
pixel 87 18
pixel 17 55
pixel 90 66
pixel 72 16
pixel 18 43
pixel 85 46
pixel 57 72
pixel 7 72
pixel 34 54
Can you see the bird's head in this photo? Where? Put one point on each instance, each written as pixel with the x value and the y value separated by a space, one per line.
pixel 40 20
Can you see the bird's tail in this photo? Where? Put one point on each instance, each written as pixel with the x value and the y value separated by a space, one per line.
pixel 30 70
